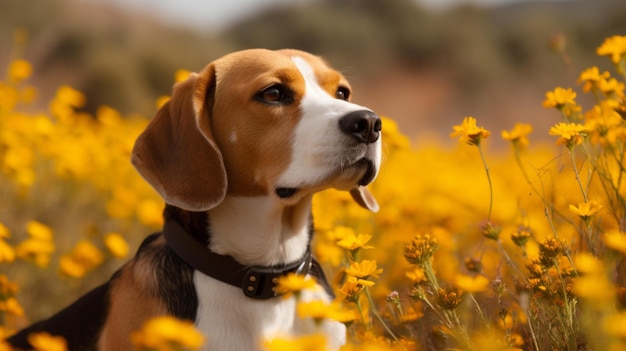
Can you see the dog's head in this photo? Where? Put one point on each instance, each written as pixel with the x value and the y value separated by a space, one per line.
pixel 260 123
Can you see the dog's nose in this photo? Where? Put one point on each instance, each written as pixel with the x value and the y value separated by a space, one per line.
pixel 364 126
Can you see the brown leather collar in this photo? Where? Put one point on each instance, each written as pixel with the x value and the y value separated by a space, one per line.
pixel 258 282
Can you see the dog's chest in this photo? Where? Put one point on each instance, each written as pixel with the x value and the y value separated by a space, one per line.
pixel 231 321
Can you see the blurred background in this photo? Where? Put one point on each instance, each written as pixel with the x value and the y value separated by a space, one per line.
pixel 426 64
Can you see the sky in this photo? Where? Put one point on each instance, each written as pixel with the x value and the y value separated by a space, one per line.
pixel 216 14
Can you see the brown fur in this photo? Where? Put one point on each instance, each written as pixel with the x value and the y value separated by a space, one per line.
pixel 133 303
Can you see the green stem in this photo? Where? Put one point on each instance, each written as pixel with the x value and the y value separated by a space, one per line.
pixel 480 310
pixel 541 194
pixel 532 332
pixel 443 317
pixel 360 309
pixel 461 328
pixel 380 319
pixel 577 174
pixel 508 258
pixel 430 275
pixel 482 157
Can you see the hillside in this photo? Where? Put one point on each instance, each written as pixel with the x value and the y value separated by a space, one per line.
pixel 420 67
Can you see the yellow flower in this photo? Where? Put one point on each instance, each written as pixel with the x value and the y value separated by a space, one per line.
pixel 362 282
pixel 586 210
pixel 536 284
pixel 351 290
pixel 5 346
pixel 167 333
pixel 591 77
pixel 364 269
pixel 339 232
pixel 293 283
pixel 416 275
pixel 449 298
pixel 38 230
pixel 6 252
pixel 19 70
pixel 46 342
pixel 181 75
pixel 7 287
pixel 473 264
pixel 392 136
pixel 469 132
pixel 596 288
pixel 315 342
pixel 604 124
pixel 570 134
pixel 316 310
pixel 472 284
pixel 519 134
pixel 64 102
pixel 84 257
pixel 616 240
pixel 616 324
pixel 4 232
pixel 116 245
pixel 161 100
pixel 549 250
pixel 150 213
pixel 559 98
pixel 344 315
pixel 420 249
pixel 36 250
pixel 614 46
pixel 70 96
pixel 12 307
pixel 70 267
pixel 352 241
pixel 521 235
pixel 108 116
pixel 587 263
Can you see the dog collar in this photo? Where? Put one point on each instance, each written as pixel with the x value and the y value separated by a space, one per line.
pixel 258 282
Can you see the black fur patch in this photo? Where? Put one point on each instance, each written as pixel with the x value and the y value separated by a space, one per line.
pixel 80 323
pixel 174 278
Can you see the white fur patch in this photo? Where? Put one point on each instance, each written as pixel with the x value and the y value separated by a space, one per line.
pixel 234 322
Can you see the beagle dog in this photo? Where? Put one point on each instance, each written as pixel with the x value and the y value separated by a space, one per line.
pixel 237 154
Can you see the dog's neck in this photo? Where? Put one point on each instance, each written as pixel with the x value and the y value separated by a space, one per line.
pixel 260 230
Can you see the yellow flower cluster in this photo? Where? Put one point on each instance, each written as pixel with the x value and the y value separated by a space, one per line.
pixel 534 261
pixel 84 257
pixel 167 333
pixel 39 245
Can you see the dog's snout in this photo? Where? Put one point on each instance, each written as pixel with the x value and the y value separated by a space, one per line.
pixel 364 126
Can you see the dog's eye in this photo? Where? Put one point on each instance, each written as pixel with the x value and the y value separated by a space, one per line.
pixel 342 93
pixel 275 94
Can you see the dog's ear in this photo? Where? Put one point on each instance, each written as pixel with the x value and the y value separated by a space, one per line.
pixel 177 153
pixel 363 197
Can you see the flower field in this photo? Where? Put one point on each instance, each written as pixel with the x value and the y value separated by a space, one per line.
pixel 521 248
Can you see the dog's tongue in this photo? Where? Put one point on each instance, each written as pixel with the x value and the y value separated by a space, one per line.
pixel 364 198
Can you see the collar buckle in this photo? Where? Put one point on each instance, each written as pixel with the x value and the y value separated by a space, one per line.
pixel 260 282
